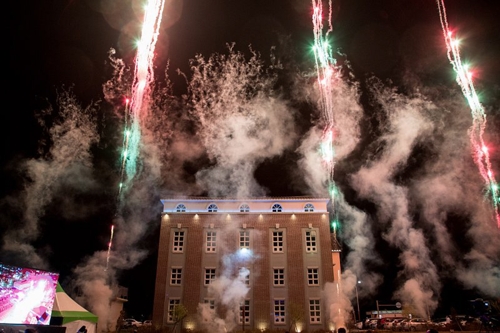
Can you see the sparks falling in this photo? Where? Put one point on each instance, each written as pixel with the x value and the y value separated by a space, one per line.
pixel 327 72
pixel 464 79
pixel 110 244
pixel 137 106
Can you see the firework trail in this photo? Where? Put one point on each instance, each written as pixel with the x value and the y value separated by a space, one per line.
pixel 141 87
pixel 464 79
pixel 327 72
pixel 137 105
pixel 110 244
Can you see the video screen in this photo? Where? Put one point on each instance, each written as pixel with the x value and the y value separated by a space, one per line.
pixel 26 295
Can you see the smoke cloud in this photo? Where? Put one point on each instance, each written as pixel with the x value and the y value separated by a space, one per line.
pixel 406 124
pixel 406 179
pixel 241 120
pixel 64 166
pixel 229 289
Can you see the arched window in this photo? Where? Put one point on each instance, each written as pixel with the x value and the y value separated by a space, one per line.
pixel 244 208
pixel 309 208
pixel 212 208
pixel 277 208
pixel 180 208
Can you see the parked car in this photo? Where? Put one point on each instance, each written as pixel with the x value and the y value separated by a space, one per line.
pixel 415 324
pixel 396 324
pixel 130 322
pixel 371 323
pixel 442 322
pixel 387 325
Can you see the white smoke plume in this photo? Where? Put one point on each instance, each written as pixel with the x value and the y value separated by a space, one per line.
pixel 95 291
pixel 406 125
pixel 311 163
pixel 346 114
pixel 361 242
pixel 449 185
pixel 64 167
pixel 229 289
pixel 338 304
pixel 96 277
pixel 241 121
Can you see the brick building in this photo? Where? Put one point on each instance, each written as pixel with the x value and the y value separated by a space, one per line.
pixel 245 264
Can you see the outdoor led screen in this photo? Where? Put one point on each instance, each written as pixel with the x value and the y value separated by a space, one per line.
pixel 26 295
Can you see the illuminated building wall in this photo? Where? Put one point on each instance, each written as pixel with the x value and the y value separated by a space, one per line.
pixel 207 247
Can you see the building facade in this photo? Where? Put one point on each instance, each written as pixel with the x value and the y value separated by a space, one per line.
pixel 245 264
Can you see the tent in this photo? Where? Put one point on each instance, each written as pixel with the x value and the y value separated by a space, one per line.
pixel 68 313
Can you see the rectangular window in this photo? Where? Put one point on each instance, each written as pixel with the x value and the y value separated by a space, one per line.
pixel 277 241
pixel 209 275
pixel 279 311
pixel 314 311
pixel 178 245
pixel 244 239
pixel 244 275
pixel 247 278
pixel 279 276
pixel 176 276
pixel 310 241
pixel 210 302
pixel 211 241
pixel 172 303
pixel 312 277
pixel 245 312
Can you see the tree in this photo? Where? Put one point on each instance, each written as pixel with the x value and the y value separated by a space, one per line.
pixel 179 313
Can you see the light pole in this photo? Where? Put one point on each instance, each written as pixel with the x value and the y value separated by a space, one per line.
pixel 357 299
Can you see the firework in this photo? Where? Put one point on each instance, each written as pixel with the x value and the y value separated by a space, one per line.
pixel 464 79
pixel 327 72
pixel 110 244
pixel 137 105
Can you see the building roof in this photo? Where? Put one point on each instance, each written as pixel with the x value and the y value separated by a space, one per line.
pixel 245 205
pixel 292 198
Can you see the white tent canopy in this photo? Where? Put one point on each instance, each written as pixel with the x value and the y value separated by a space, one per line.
pixel 68 313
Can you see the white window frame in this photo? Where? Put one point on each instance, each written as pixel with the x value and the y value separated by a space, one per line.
pixel 278 276
pixel 244 239
pixel 311 241
pixel 172 302
pixel 244 208
pixel 211 241
pixel 312 276
pixel 178 241
pixel 180 208
pixel 210 275
pixel 176 276
pixel 308 207
pixel 278 241
pixel 277 208
pixel 212 208
pixel 210 302
pixel 279 311
pixel 314 310
pixel 246 308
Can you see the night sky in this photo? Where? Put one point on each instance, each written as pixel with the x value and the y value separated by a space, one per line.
pixel 59 44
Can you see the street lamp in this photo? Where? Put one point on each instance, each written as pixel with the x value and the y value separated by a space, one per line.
pixel 357 299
